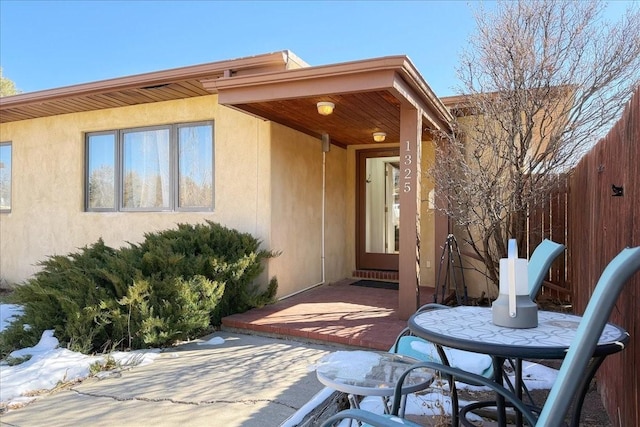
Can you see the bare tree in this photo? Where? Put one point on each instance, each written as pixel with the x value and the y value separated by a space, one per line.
pixel 102 187
pixel 543 80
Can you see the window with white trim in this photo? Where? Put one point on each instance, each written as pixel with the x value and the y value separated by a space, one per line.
pixel 160 168
pixel 5 176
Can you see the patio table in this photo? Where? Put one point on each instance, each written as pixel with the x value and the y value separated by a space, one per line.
pixel 371 373
pixel 472 329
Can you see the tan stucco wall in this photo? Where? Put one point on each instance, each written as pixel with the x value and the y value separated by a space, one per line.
pixel 268 182
pixel 429 256
pixel 296 221
pixel 337 264
pixel 475 272
pixel 47 214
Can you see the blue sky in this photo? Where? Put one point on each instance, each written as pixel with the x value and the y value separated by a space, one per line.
pixel 49 44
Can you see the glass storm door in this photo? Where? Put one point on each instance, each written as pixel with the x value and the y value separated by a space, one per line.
pixel 377 209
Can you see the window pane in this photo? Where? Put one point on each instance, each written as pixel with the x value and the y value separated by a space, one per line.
pixel 382 213
pixel 195 166
pixel 5 177
pixel 101 169
pixel 146 170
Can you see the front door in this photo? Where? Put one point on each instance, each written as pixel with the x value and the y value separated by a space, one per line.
pixel 377 209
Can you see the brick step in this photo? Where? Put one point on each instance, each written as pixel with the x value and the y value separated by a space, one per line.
pixel 376 275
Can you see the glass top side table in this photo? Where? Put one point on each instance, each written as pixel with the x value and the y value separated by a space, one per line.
pixel 370 373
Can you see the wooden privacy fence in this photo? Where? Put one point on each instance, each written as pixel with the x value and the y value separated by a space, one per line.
pixel 548 220
pixel 604 218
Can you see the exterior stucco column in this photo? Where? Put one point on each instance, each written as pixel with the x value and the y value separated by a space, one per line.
pixel 410 180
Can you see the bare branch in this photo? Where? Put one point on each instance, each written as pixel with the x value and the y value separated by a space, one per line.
pixel 543 80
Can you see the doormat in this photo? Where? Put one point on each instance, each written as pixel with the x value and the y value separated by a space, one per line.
pixel 376 284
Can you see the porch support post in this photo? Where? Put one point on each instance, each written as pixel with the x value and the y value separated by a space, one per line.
pixel 410 180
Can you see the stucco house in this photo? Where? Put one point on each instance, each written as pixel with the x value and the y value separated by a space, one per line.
pixel 244 143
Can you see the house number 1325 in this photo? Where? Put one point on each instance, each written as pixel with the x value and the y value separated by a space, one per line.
pixel 406 172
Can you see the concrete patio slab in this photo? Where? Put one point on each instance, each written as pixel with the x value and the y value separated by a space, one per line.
pixel 247 381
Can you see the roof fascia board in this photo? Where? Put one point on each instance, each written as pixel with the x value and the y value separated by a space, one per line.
pixel 415 79
pixel 430 111
pixel 280 89
pixel 455 100
pixel 391 62
pixel 147 79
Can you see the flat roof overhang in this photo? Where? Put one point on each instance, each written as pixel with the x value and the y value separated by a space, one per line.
pixel 158 86
pixel 278 86
pixel 367 95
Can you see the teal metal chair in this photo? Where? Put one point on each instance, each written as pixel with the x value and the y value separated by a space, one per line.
pixel 420 349
pixel 368 419
pixel 423 350
pixel 572 371
pixel 540 262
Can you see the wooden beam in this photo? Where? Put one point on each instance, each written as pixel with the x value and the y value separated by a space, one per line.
pixel 410 181
pixel 280 88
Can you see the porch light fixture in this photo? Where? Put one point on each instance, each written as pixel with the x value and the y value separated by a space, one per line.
pixel 379 136
pixel 325 108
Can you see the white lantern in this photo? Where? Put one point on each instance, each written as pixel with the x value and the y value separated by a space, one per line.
pixel 514 308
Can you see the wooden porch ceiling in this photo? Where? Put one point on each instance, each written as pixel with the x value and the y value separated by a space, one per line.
pixel 355 118
pixel 367 94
